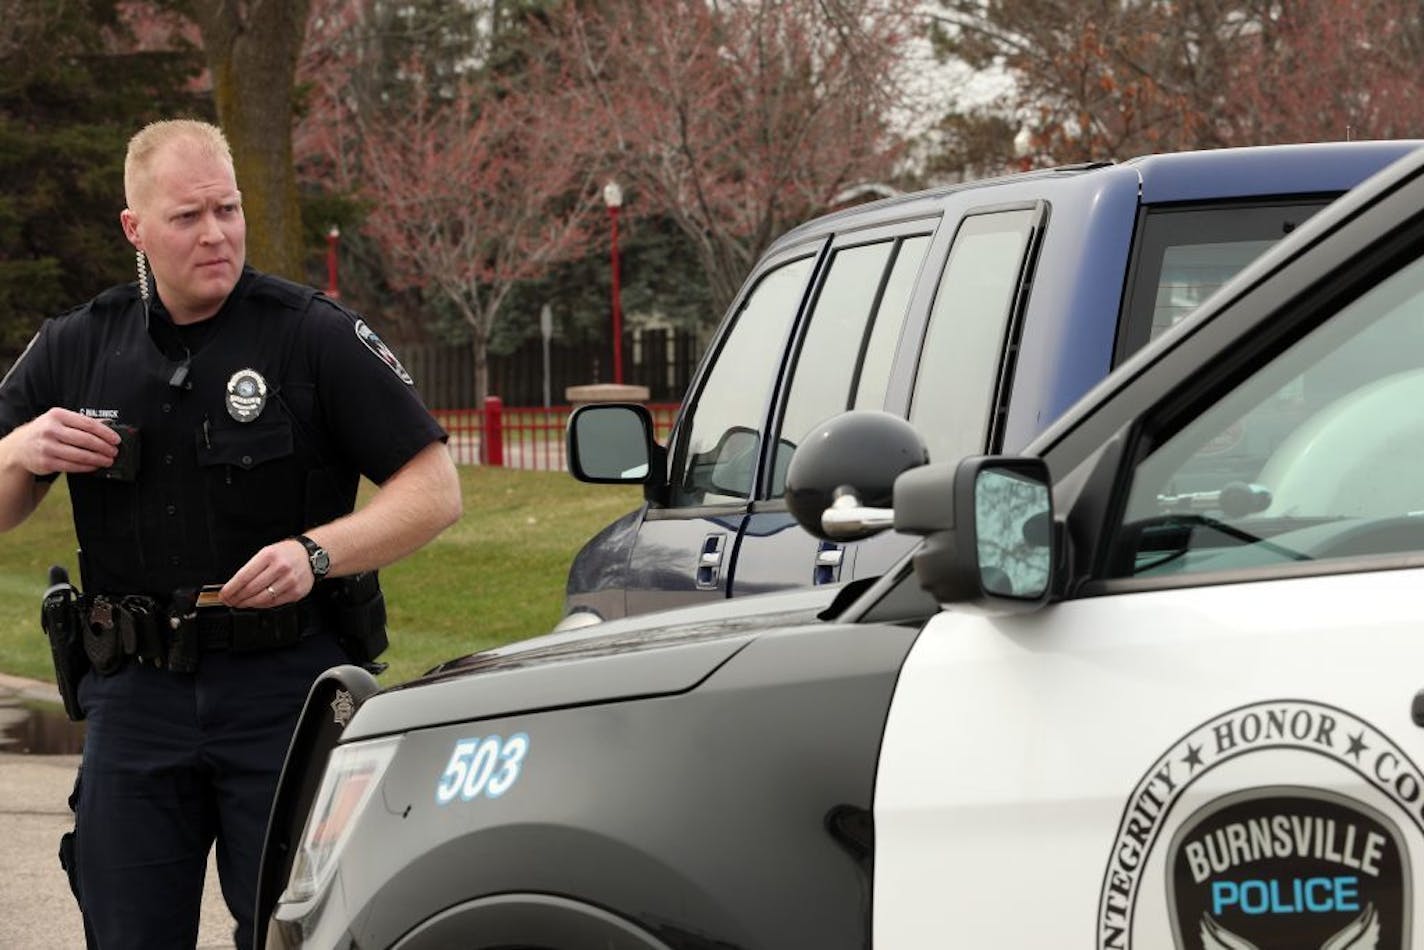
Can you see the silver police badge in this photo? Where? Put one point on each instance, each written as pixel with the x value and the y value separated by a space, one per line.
pixel 246 395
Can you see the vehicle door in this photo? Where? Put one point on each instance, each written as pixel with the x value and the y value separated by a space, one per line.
pixel 1213 739
pixel 683 550
pixel 964 354
pixel 841 360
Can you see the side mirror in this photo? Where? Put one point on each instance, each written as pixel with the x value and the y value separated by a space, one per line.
pixel 612 443
pixel 989 530
pixel 841 481
pixel 732 462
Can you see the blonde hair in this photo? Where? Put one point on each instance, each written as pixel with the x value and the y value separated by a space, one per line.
pixel 154 136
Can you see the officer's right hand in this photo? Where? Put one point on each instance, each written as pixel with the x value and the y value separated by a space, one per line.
pixel 64 441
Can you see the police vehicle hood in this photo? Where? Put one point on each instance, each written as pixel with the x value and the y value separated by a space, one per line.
pixel 653 654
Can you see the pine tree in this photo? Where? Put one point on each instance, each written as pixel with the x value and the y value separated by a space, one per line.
pixel 73 90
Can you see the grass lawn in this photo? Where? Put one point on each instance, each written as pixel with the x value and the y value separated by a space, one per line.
pixel 496 576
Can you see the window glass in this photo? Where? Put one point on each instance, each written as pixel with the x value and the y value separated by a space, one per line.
pixel 719 451
pixel 874 377
pixel 1185 254
pixel 1318 454
pixel 825 367
pixel 850 340
pixel 959 364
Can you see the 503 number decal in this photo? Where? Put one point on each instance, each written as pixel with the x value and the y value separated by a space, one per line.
pixel 487 766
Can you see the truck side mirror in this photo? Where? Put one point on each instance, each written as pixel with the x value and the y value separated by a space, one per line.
pixel 840 483
pixel 612 443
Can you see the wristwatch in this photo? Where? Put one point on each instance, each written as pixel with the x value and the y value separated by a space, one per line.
pixel 317 557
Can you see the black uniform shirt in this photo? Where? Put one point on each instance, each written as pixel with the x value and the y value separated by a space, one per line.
pixel 286 401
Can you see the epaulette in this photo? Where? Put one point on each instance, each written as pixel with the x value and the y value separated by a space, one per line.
pixel 109 303
pixel 283 292
pixel 338 306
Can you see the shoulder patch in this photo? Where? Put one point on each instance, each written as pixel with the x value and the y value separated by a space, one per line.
pixel 376 345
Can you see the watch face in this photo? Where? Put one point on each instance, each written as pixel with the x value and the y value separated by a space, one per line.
pixel 320 562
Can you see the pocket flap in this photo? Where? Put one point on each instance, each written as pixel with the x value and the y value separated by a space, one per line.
pixel 245 446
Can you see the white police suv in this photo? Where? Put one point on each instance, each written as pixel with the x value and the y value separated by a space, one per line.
pixel 1157 682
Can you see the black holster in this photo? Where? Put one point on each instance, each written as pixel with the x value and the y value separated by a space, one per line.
pixel 60 618
pixel 357 609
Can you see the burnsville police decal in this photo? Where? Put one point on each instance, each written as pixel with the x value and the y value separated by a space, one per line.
pixel 246 395
pixel 376 345
pixel 1287 867
pixel 1239 837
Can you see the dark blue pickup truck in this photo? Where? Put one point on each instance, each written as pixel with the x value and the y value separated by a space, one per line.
pixel 979 311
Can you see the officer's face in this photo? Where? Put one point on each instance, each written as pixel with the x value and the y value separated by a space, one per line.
pixel 189 223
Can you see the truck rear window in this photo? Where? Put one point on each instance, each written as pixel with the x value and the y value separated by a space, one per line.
pixel 1185 252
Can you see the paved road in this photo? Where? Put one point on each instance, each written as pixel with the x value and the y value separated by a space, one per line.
pixel 36 909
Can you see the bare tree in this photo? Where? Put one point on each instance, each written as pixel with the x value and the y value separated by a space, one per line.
pixel 1108 79
pixel 475 191
pixel 1326 69
pixel 739 120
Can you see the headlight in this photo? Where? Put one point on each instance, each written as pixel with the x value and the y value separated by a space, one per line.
pixel 353 773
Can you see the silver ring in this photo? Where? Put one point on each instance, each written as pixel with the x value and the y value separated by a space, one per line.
pixel 271 590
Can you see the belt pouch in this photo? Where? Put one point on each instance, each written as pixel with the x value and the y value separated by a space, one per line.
pixel 358 610
pixel 182 653
pixel 101 637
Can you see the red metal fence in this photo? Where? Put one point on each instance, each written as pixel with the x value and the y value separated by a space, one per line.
pixel 522 437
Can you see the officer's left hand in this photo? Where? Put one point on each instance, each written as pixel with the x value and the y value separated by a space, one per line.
pixel 278 574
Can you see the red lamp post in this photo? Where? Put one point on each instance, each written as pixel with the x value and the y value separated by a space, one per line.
pixel 332 236
pixel 613 198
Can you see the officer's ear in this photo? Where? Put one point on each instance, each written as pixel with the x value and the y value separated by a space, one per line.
pixel 129 222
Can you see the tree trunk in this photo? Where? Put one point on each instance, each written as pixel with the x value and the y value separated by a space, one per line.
pixel 252 51
pixel 480 345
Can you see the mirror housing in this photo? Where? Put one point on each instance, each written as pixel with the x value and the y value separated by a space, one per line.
pixel 841 481
pixel 990 536
pixel 612 443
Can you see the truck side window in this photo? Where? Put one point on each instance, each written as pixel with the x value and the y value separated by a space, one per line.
pixel 889 321
pixel 850 339
pixel 717 459
pixel 1318 454
pixel 963 352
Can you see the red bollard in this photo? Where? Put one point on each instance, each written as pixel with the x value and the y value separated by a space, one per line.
pixel 492 438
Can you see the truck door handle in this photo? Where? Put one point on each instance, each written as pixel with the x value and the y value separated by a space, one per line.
pixel 829 556
pixel 709 561
pixel 1416 709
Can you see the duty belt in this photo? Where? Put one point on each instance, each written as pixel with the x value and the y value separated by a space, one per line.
pixel 246 631
pixel 174 636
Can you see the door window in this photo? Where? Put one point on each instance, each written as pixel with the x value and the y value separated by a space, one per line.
pixel 874 377
pixel 1318 454
pixel 960 363
pixel 716 462
pixel 849 343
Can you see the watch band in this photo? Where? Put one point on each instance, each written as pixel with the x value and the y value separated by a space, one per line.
pixel 317 558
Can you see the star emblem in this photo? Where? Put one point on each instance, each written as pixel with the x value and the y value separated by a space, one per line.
pixel 1357 745
pixel 1193 757
pixel 342 707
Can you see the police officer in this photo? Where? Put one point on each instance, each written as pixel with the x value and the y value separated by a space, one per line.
pixel 213 423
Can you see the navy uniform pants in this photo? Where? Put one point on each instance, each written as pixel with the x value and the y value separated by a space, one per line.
pixel 172 763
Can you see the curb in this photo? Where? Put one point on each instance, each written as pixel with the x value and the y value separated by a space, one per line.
pixel 34 690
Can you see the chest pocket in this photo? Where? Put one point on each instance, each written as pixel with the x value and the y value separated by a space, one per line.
pixel 254 484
